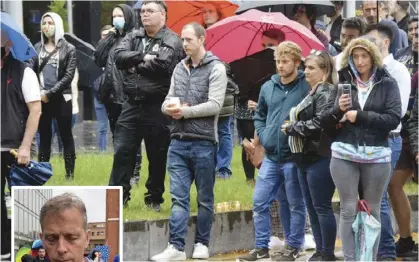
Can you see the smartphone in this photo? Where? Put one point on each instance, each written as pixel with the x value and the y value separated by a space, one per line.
pixel 346 90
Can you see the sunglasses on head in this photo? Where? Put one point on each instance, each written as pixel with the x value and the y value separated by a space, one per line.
pixel 315 52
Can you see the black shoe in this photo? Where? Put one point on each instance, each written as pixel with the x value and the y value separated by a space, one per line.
pixel 69 162
pixel 385 259
pixel 405 247
pixel 290 254
pixel 255 254
pixel 154 206
pixel 316 256
pixel 329 257
pixel 125 201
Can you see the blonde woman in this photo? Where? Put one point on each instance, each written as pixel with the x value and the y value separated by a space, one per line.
pixel 311 152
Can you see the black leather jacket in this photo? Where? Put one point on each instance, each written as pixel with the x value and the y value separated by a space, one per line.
pixel 66 68
pixel 148 80
pixel 316 142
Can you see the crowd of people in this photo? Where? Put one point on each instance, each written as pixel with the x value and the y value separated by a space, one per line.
pixel 343 118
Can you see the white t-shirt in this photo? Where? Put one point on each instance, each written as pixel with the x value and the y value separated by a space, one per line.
pixel 30 89
pixel 30 86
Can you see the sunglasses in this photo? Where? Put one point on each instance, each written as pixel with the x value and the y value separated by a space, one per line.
pixel 315 52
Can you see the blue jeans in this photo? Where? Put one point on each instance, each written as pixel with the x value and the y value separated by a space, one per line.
pixel 317 186
pixel 279 180
pixel 54 128
pixel 102 125
pixel 225 147
pixel 387 247
pixel 188 161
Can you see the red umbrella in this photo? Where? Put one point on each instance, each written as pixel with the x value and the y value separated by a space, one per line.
pixel 239 36
pixel 181 13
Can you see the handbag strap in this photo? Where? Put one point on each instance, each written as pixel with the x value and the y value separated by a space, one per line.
pixel 45 60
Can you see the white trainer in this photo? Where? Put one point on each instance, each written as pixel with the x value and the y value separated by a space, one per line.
pixel 170 254
pixel 309 243
pixel 200 251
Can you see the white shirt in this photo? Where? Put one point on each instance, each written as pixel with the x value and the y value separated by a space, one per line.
pixel 400 73
pixel 338 61
pixel 30 86
pixel 30 89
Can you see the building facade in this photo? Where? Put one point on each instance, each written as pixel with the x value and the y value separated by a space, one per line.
pixel 113 221
pixel 27 207
pixel 97 235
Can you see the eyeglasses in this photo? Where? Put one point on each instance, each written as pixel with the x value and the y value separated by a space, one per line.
pixel 148 11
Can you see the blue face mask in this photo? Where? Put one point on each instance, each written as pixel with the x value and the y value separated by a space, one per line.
pixel 119 22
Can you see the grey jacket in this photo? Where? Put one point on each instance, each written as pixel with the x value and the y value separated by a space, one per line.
pixel 203 88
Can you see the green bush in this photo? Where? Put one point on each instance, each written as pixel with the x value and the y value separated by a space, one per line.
pixel 60 7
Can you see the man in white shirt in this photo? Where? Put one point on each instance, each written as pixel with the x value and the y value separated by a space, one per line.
pixel 20 112
pixel 382 35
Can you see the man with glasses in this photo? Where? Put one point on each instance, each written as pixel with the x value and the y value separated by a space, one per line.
pixel 148 57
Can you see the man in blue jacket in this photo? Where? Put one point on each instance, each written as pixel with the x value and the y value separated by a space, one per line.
pixel 278 174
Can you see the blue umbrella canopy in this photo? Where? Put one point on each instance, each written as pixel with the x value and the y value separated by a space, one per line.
pixel 22 48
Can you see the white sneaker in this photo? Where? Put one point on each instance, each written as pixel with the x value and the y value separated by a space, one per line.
pixel 309 243
pixel 170 254
pixel 200 251
pixel 275 243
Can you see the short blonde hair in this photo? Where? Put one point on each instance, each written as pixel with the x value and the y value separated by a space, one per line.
pixel 288 48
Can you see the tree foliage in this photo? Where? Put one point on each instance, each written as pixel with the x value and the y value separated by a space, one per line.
pixel 60 7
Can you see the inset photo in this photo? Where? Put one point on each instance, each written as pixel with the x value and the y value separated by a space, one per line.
pixel 67 223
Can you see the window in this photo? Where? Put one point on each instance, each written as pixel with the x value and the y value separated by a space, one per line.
pixel 93 233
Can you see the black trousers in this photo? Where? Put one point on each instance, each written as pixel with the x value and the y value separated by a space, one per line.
pixel 137 122
pixel 114 111
pixel 62 111
pixel 6 234
pixel 246 129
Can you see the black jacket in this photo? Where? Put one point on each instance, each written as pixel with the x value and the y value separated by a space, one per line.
pixel 66 68
pixel 380 115
pixel 412 127
pixel 111 88
pixel 316 142
pixel 231 91
pixel 148 80
pixel 14 111
pixel 336 29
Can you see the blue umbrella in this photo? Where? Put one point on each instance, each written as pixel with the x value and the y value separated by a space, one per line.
pixel 102 249
pixel 37 244
pixel 34 174
pixel 22 48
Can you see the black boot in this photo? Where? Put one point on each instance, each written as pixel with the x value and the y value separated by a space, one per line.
pixel 70 161
pixel 44 156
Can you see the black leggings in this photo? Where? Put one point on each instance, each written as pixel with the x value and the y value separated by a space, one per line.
pixel 61 110
pixel 246 130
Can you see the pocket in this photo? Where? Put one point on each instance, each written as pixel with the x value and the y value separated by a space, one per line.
pixel 269 138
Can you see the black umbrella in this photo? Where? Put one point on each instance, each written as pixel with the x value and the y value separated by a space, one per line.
pixel 252 72
pixel 286 7
pixel 79 44
pixel 89 71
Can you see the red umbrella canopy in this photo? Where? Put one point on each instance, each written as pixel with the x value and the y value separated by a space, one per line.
pixel 180 13
pixel 240 36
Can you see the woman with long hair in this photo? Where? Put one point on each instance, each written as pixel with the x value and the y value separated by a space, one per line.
pixel 310 148
pixel 365 114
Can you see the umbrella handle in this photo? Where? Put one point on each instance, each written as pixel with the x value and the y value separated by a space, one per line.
pixel 14 152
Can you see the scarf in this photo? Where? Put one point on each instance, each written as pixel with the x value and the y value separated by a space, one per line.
pixel 296 143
